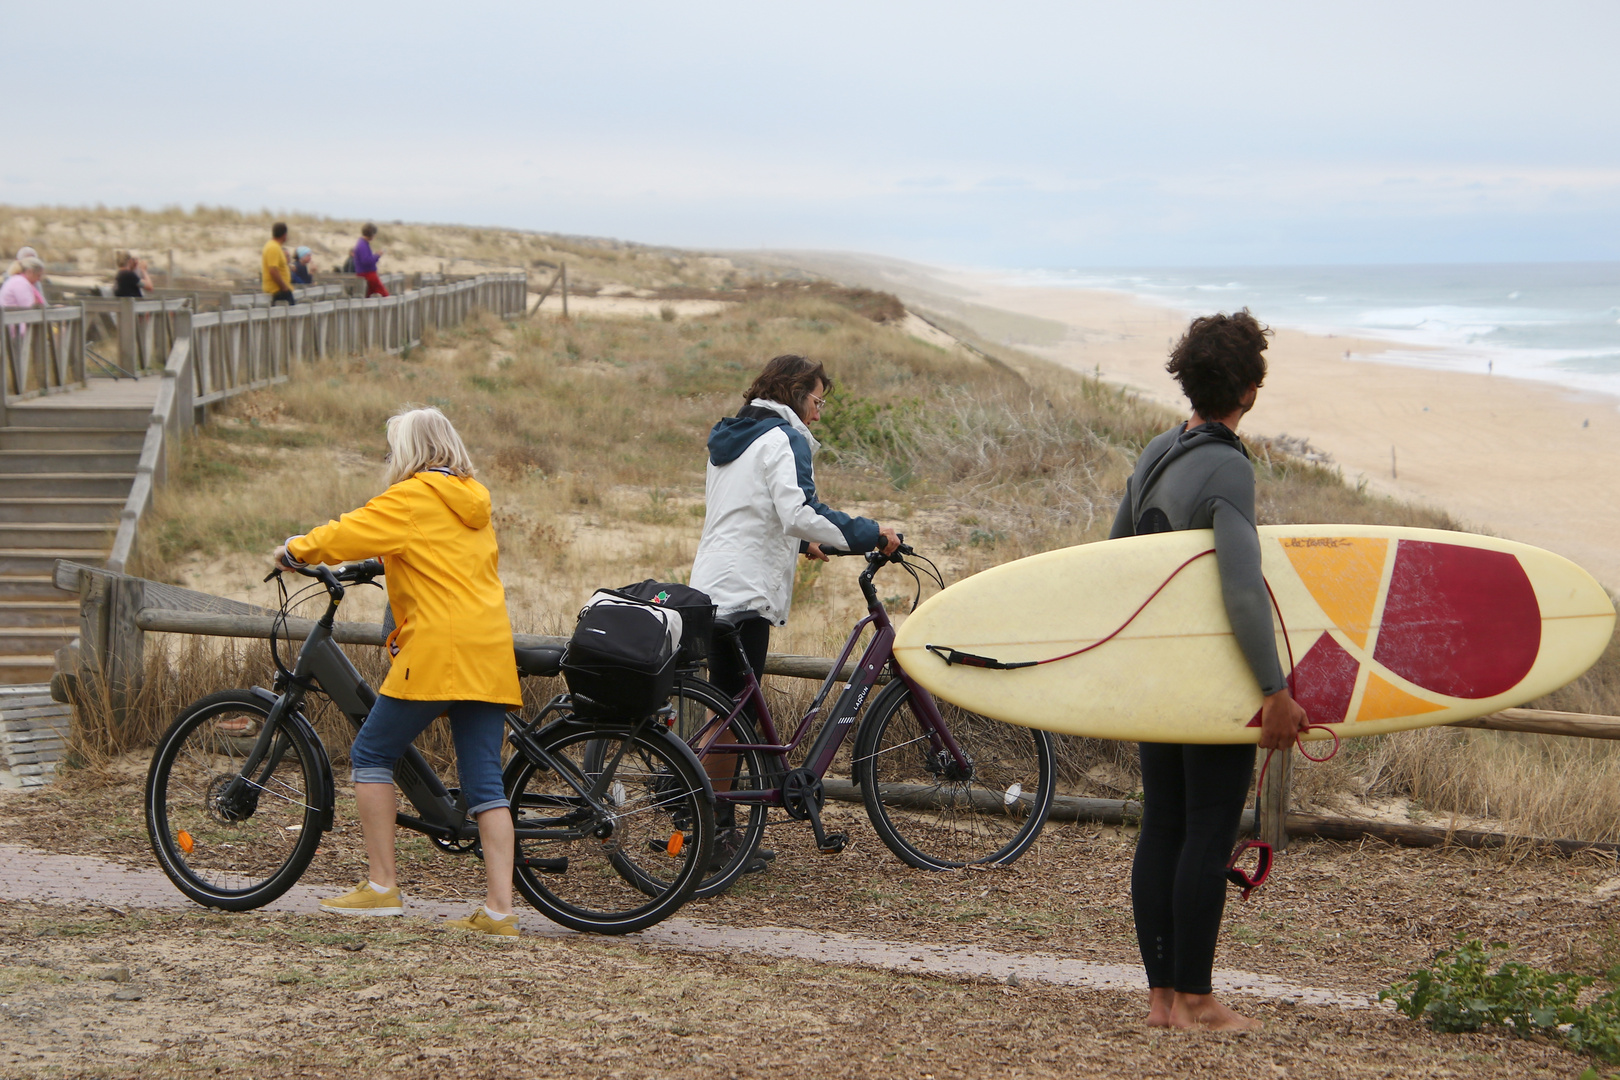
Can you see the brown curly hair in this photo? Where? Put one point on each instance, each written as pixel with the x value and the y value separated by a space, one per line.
pixel 1218 359
pixel 789 380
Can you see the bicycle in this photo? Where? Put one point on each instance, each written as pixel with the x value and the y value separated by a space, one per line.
pixel 943 787
pixel 240 791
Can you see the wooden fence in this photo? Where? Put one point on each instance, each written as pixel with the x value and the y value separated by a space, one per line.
pixel 116 611
pixel 42 351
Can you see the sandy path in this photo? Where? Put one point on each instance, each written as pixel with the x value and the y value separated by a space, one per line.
pixel 32 875
pixel 1520 459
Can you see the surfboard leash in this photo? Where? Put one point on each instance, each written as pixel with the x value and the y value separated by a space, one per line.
pixel 957 656
pixel 1248 882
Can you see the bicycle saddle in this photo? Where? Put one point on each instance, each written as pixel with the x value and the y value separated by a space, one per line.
pixel 726 625
pixel 544 661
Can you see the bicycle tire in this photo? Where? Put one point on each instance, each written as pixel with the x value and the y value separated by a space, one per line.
pixel 658 792
pixel 694 701
pixel 217 855
pixel 934 820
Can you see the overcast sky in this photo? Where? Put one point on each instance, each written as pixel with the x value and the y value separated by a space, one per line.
pixel 990 134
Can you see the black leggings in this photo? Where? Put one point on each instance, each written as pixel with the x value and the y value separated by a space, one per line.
pixel 1192 805
pixel 755 632
pixel 724 672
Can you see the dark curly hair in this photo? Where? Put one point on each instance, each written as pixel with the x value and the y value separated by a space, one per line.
pixel 789 380
pixel 1218 359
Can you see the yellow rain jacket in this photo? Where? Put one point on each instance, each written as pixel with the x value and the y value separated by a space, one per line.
pixel 453 640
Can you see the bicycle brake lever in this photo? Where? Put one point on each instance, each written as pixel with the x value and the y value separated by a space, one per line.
pixel 272 575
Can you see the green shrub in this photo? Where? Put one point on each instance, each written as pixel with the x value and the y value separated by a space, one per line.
pixel 1471 987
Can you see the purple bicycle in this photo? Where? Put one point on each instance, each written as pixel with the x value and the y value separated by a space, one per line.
pixel 943 787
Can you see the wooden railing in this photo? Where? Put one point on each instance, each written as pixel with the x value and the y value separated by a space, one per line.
pixel 145 328
pixel 41 352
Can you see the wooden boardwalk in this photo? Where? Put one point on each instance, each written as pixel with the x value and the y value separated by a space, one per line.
pixel 98 394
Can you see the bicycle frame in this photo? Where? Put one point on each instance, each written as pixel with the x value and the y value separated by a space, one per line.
pixel 440 814
pixel 875 660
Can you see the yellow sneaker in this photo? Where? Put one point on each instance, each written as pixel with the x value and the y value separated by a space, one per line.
pixel 479 922
pixel 365 900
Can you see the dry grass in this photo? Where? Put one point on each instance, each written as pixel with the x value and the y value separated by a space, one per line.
pixel 590 434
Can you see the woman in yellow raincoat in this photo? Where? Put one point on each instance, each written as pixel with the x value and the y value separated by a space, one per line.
pixel 451 652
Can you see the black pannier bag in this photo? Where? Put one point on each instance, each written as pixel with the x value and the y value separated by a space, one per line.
pixel 620 660
pixel 697 614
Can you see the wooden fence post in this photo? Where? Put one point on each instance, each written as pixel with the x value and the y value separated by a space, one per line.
pixel 1279 780
pixel 565 289
pixel 128 351
pixel 126 644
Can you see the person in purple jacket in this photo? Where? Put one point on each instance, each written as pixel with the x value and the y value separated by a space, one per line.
pixel 365 262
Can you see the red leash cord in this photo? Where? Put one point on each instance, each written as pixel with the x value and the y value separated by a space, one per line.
pixel 1244 880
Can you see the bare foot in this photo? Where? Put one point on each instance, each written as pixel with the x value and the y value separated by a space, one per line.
pixel 1203 1012
pixel 1160 1001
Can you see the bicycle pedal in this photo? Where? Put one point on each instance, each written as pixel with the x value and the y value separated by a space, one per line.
pixel 833 844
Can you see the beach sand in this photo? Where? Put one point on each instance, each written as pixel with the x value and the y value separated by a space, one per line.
pixel 1518 459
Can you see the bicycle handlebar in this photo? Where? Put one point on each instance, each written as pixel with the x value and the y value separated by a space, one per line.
pixel 348 572
pixel 903 549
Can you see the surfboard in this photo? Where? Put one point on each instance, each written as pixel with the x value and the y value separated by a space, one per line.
pixel 1381 629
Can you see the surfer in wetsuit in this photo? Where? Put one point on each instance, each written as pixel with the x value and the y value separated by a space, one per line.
pixel 1197 476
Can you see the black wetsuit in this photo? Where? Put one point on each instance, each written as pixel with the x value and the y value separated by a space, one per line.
pixel 1193 794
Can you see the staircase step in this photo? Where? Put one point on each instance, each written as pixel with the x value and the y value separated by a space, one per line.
pixel 35 640
pixel 18 613
pixel 31 587
pixel 99 510
pixel 34 534
pixel 27 669
pixel 68 461
pixel 62 485
pixel 42 561
pixel 31 414
pixel 71 438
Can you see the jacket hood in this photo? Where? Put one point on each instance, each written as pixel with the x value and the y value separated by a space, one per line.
pixel 734 434
pixel 466 497
pixel 1211 432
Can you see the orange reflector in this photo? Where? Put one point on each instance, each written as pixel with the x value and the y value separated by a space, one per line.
pixel 677 840
pixel 186 843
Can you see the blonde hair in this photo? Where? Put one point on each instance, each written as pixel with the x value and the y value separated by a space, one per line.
pixel 421 439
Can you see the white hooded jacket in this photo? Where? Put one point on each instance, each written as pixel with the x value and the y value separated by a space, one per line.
pixel 762 512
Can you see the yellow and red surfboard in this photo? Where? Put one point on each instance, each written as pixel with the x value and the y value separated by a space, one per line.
pixel 1382 629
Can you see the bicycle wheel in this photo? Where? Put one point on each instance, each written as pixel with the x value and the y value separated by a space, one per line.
pixel 232 853
pixel 633 861
pixel 929 811
pixel 739 825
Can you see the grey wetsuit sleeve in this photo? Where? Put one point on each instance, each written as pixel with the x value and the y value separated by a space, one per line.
pixel 1123 525
pixel 1243 587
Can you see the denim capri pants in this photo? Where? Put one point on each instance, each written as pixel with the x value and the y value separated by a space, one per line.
pixel 476 727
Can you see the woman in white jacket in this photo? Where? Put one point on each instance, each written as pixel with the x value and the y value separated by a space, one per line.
pixel 762 513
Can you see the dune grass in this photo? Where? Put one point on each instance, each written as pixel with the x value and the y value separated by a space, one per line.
pixel 591 433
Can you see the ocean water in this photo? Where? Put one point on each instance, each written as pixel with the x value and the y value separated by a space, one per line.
pixel 1551 322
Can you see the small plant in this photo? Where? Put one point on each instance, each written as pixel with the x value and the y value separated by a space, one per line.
pixel 1461 992
pixel 1471 987
pixel 666 312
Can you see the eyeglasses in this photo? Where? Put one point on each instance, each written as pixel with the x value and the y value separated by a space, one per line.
pixel 821 403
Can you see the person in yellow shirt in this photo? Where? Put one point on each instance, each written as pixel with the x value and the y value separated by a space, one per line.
pixel 451 651
pixel 277 273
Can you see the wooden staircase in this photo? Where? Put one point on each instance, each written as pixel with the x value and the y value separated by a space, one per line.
pixel 66 465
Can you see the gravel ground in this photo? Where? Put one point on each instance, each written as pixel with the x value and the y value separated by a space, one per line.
pixel 1353 917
